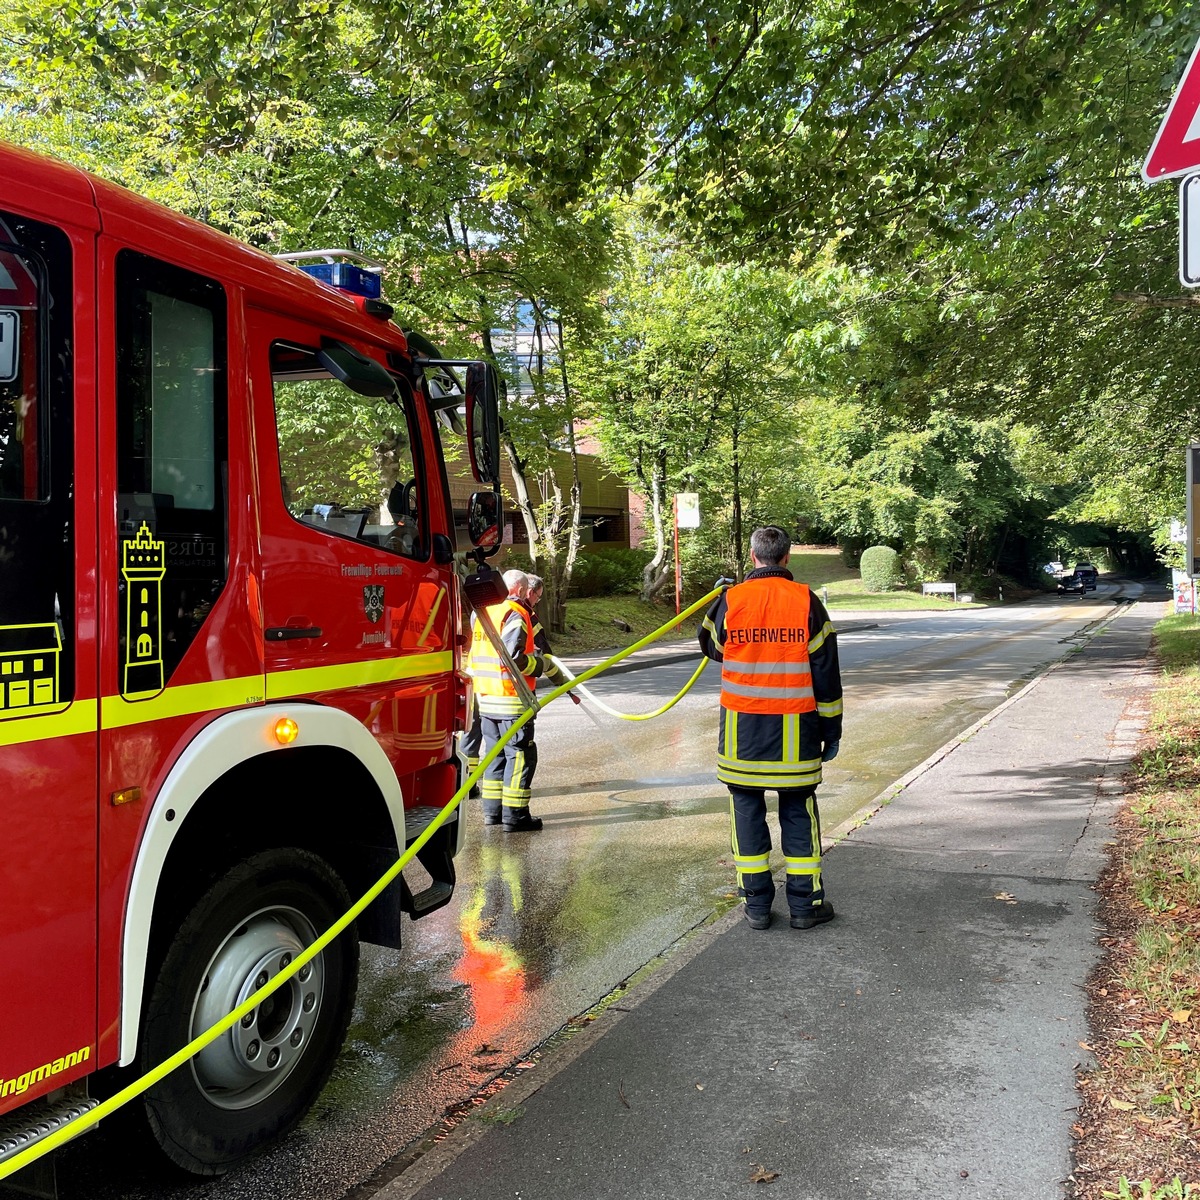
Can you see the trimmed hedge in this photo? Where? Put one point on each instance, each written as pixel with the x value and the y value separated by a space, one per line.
pixel 880 569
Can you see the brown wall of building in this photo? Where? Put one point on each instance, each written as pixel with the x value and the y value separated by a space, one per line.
pixel 604 497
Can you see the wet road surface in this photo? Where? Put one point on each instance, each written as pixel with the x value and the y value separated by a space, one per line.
pixel 634 854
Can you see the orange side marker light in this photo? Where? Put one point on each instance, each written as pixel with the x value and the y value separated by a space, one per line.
pixel 286 731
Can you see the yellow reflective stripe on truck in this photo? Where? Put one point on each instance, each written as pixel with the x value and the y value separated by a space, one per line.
pixel 183 700
pixel 281 684
pixel 30 726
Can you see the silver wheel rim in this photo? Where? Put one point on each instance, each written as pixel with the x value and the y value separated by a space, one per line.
pixel 249 1062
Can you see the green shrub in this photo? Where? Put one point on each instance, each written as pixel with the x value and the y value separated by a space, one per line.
pixel 514 560
pixel 609 572
pixel 880 569
pixel 851 549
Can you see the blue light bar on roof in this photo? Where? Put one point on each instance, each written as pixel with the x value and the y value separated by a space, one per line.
pixel 346 277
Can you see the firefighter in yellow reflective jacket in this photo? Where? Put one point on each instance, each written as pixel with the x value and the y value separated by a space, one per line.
pixel 781 717
pixel 508 781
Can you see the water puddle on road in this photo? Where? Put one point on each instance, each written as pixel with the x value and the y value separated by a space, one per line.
pixel 884 742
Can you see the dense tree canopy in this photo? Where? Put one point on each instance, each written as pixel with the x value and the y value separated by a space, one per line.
pixel 890 266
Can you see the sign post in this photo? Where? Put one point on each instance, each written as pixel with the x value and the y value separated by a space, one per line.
pixel 1191 562
pixel 687 516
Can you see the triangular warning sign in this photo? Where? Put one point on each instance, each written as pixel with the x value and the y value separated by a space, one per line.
pixel 1176 149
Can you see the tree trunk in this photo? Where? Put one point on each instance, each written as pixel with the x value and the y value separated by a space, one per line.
pixel 658 569
pixel 556 614
pixel 521 487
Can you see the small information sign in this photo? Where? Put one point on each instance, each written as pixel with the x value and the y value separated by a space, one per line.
pixel 1185 592
pixel 687 510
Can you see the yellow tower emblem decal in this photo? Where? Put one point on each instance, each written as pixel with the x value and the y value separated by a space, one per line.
pixel 143 566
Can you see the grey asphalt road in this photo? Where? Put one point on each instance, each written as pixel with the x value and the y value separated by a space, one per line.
pixel 635 854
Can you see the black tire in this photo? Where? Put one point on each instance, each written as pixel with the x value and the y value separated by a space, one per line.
pixel 230 1102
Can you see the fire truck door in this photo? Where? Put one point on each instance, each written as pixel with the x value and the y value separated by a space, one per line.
pixel 357 613
pixel 48 706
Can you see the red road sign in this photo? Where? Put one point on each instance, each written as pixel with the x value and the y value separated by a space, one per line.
pixel 1176 148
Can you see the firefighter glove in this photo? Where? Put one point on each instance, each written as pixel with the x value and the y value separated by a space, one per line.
pixel 830 751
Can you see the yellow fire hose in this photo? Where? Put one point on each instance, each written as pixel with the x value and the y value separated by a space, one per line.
pixel 612 712
pixel 85 1121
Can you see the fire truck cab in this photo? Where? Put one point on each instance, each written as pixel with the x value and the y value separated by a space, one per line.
pixel 230 654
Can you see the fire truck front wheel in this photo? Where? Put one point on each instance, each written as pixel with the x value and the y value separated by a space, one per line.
pixel 255 1082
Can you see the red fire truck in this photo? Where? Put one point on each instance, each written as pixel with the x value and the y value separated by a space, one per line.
pixel 230 653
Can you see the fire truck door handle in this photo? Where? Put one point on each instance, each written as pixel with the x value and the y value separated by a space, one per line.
pixel 286 633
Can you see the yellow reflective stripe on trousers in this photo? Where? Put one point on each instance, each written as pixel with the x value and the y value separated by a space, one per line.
pixel 514 795
pixel 733 842
pixel 802 866
pixel 757 862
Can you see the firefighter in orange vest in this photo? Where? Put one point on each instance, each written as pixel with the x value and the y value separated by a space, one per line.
pixel 507 783
pixel 781 718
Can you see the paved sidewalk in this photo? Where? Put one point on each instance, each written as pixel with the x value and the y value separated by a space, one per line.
pixel 924 1044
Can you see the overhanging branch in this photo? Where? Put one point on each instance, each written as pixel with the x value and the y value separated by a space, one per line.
pixel 1144 300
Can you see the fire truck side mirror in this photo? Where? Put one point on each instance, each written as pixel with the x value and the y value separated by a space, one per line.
pixel 358 372
pixel 483 520
pixel 483 423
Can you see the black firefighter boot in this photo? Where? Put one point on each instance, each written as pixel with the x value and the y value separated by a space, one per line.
pixel 522 822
